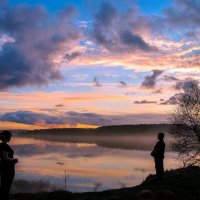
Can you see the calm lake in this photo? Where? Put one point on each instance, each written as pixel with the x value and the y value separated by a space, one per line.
pixel 96 165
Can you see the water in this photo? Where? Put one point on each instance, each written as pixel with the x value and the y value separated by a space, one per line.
pixel 108 163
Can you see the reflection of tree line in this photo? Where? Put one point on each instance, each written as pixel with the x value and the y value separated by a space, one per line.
pixel 137 137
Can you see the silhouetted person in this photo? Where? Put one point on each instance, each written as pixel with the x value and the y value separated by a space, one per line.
pixel 158 154
pixel 7 164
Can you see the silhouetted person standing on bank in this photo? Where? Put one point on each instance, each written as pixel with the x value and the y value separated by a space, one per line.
pixel 158 154
pixel 7 165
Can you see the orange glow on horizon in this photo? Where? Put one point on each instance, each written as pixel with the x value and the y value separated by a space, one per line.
pixel 4 125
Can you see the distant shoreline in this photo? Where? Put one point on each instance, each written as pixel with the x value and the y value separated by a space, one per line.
pixel 128 137
pixel 113 129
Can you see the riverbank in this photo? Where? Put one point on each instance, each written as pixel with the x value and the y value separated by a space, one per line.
pixel 179 184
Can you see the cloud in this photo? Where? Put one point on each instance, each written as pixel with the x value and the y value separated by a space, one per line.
pixel 137 41
pixel 39 40
pixel 134 41
pixel 104 20
pixel 96 82
pixel 87 118
pixel 170 78
pixel 28 117
pixel 75 118
pixel 157 91
pixel 178 15
pixel 183 14
pixel 185 84
pixel 150 81
pixel 71 118
pixel 173 100
pixel 145 102
pixel 71 56
pixel 123 84
pixel 59 105
pixel 119 33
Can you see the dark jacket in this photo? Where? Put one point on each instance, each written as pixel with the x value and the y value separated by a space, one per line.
pixel 159 150
pixel 4 164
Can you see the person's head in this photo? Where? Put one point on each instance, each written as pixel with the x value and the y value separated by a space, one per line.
pixel 161 136
pixel 5 136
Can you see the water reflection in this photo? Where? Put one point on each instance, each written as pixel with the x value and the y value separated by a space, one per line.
pixel 88 165
pixel 125 141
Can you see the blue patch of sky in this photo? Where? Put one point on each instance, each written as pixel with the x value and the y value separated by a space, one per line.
pixel 192 53
pixel 73 78
pixel 176 34
pixel 153 7
pixel 52 7
pixel 53 87
pixel 29 89
pixel 88 8
pixel 72 82
pixel 103 73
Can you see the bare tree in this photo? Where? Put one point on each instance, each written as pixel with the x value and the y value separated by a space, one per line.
pixel 185 118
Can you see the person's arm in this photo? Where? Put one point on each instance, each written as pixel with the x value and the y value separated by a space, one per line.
pixel 6 158
pixel 153 153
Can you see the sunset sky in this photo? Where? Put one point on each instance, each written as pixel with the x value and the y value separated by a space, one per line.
pixel 88 63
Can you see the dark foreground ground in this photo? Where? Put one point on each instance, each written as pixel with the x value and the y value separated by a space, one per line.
pixel 178 184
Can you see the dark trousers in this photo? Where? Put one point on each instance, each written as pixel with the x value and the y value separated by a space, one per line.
pixel 7 177
pixel 159 167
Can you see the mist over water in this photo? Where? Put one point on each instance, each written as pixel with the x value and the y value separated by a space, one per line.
pixel 91 163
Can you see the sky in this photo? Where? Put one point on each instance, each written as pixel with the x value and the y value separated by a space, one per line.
pixel 89 63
